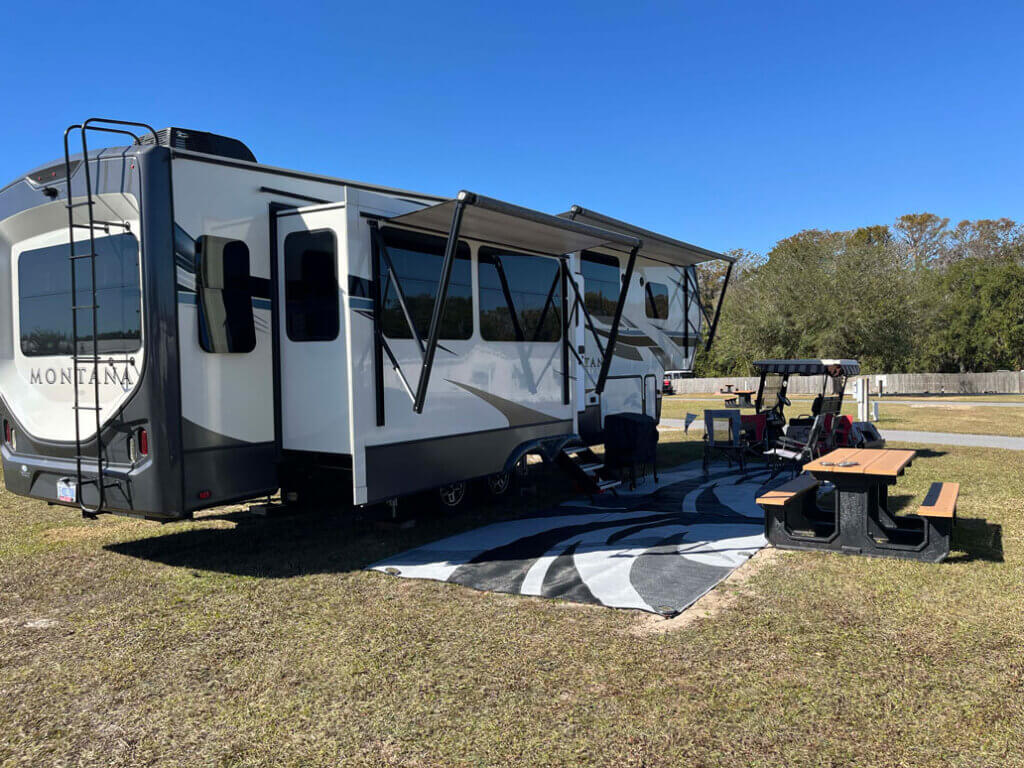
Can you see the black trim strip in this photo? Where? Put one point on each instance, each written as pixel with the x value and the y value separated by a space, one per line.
pixel 296 195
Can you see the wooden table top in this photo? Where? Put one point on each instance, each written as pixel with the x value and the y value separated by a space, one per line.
pixel 875 462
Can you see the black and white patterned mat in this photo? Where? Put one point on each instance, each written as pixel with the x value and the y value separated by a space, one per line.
pixel 658 548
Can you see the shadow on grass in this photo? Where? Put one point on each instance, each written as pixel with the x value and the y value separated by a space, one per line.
pixel 973 538
pixel 976 539
pixel 318 541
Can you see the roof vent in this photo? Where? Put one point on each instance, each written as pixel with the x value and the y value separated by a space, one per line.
pixel 201 141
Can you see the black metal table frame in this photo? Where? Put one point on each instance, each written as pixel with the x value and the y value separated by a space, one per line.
pixel 860 522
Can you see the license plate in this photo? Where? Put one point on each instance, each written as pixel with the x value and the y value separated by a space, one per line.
pixel 66 490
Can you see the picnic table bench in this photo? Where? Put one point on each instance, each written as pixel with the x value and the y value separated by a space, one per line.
pixel 859 521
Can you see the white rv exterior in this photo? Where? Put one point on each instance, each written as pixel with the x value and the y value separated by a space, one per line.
pixel 261 328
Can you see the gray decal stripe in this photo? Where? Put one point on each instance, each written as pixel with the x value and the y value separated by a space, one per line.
pixel 517 415
pixel 196 437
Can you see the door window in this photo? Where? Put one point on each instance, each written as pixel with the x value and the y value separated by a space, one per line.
pixel 601 284
pixel 224 291
pixel 657 301
pixel 311 286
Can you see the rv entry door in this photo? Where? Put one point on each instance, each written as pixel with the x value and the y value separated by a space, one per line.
pixel 313 404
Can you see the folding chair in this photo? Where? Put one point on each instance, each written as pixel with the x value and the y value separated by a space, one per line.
pixel 796 451
pixel 723 433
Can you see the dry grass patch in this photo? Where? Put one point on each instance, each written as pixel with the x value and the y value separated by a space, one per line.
pixel 257 642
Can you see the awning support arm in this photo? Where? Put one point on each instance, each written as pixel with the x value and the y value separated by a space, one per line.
pixel 564 297
pixel 439 302
pixel 507 292
pixel 378 337
pixel 613 334
pixel 578 302
pixel 392 276
pixel 718 308
pixel 398 369
pixel 547 303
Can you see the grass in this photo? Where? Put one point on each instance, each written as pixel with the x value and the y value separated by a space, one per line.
pixel 240 641
pixel 931 415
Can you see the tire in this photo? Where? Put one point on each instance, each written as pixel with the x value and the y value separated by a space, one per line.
pixel 499 483
pixel 452 496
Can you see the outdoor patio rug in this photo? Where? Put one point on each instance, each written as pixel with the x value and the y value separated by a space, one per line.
pixel 657 549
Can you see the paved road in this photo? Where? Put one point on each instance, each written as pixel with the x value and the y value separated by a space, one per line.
pixel 968 403
pixel 905 436
pixel 951 438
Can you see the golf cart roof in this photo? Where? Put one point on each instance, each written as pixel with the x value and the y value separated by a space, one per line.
pixel 808 367
pixel 653 247
pixel 512 226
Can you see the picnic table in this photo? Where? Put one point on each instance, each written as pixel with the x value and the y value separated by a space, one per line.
pixel 738 398
pixel 860 521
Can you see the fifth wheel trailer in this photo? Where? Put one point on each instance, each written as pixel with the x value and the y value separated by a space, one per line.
pixel 187 327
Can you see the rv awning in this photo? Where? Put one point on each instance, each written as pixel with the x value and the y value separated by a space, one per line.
pixel 653 246
pixel 512 226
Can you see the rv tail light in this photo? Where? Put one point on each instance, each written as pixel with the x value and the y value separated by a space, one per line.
pixel 205 494
pixel 143 442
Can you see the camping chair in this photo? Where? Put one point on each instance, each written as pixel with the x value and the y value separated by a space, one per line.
pixel 796 451
pixel 723 433
pixel 829 408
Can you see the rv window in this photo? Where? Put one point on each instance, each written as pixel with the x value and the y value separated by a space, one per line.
pixel 520 296
pixel 224 293
pixel 44 298
pixel 417 259
pixel 601 284
pixel 311 286
pixel 657 301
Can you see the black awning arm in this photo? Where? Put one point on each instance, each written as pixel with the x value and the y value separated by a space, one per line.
pixel 397 368
pixel 392 277
pixel 439 302
pixel 547 303
pixel 718 308
pixel 578 302
pixel 613 334
pixel 507 292
pixel 565 334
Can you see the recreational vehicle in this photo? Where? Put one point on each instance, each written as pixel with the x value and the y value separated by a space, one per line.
pixel 185 327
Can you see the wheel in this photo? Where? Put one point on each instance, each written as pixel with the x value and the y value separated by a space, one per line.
pixel 452 495
pixel 499 483
pixel 522 470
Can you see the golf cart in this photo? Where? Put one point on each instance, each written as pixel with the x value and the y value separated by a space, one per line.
pixel 808 435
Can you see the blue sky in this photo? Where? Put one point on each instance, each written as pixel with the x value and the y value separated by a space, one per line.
pixel 728 124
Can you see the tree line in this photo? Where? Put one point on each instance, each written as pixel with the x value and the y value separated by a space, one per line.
pixel 917 296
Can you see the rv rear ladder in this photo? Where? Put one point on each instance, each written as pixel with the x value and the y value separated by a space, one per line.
pixel 92 225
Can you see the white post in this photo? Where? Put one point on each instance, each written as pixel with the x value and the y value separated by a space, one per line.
pixel 860 392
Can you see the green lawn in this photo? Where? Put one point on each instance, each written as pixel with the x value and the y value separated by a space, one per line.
pixel 240 641
pixel 931 415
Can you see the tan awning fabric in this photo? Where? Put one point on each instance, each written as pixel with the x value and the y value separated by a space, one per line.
pixel 653 246
pixel 513 226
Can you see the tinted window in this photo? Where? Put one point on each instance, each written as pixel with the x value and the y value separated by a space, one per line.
pixel 657 301
pixel 44 298
pixel 311 286
pixel 417 260
pixel 224 290
pixel 601 284
pixel 520 297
